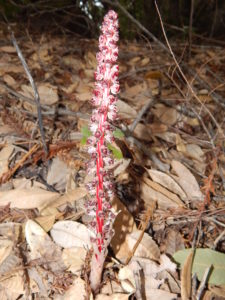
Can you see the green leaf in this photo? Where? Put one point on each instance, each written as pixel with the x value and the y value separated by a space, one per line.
pixel 118 134
pixel 116 152
pixel 83 140
pixel 204 258
pixel 86 133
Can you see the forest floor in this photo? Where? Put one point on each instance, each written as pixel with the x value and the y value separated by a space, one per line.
pixel 169 237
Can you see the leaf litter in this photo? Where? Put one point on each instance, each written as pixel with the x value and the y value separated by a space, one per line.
pixel 169 176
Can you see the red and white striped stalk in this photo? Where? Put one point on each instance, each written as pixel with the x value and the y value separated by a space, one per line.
pixel 100 189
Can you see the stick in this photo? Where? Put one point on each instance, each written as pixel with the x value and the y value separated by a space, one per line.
pixel 203 283
pixel 140 114
pixel 36 94
pixel 190 27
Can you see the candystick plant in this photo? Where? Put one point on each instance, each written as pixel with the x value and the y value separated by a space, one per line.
pixel 100 189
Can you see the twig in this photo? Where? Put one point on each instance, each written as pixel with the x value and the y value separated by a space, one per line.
pixel 36 94
pixel 190 27
pixel 203 282
pixel 6 176
pixel 140 114
pixel 145 225
pixel 218 239
pixel 204 127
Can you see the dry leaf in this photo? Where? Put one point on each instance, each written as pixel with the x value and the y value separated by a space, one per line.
pixel 187 181
pixel 151 268
pixel 157 187
pixel 5 154
pixel 125 110
pixel 173 242
pixel 142 132
pixel 126 276
pixel 42 246
pixel 166 114
pixel 74 259
pixel 180 144
pixel 77 291
pixel 8 49
pixel 147 247
pixel 69 234
pixel 47 92
pixel 69 197
pixel 27 198
pixel 149 196
pixel 58 174
pixel 186 277
pixel 123 225
pixel 135 90
pixel 169 137
pixel 6 247
pixel 111 287
pixel 10 68
pixel 218 290
pixel 10 231
pixel 72 62
pixel 167 181
pixel 194 151
pixel 14 283
pixel 9 80
pixel 145 61
pixel 90 59
pixel 46 222
pixel 156 294
pixel 84 91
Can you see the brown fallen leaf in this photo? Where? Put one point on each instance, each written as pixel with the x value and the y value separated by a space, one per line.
pixel 74 259
pixel 142 132
pixel 135 90
pixel 8 49
pixel 187 181
pixel 47 92
pixel 58 174
pixel 147 248
pixel 69 197
pixel 156 294
pixel 76 291
pixel 14 283
pixel 42 246
pixel 123 225
pixel 27 198
pixel 167 181
pixel 186 277
pixel 218 290
pixel 125 110
pixel 5 154
pixel 126 277
pixel 157 187
pixel 9 80
pixel 150 196
pixel 46 222
pixel 69 234
pixel 166 114
pixel 172 242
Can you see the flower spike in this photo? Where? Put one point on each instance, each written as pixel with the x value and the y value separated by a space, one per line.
pixel 100 190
